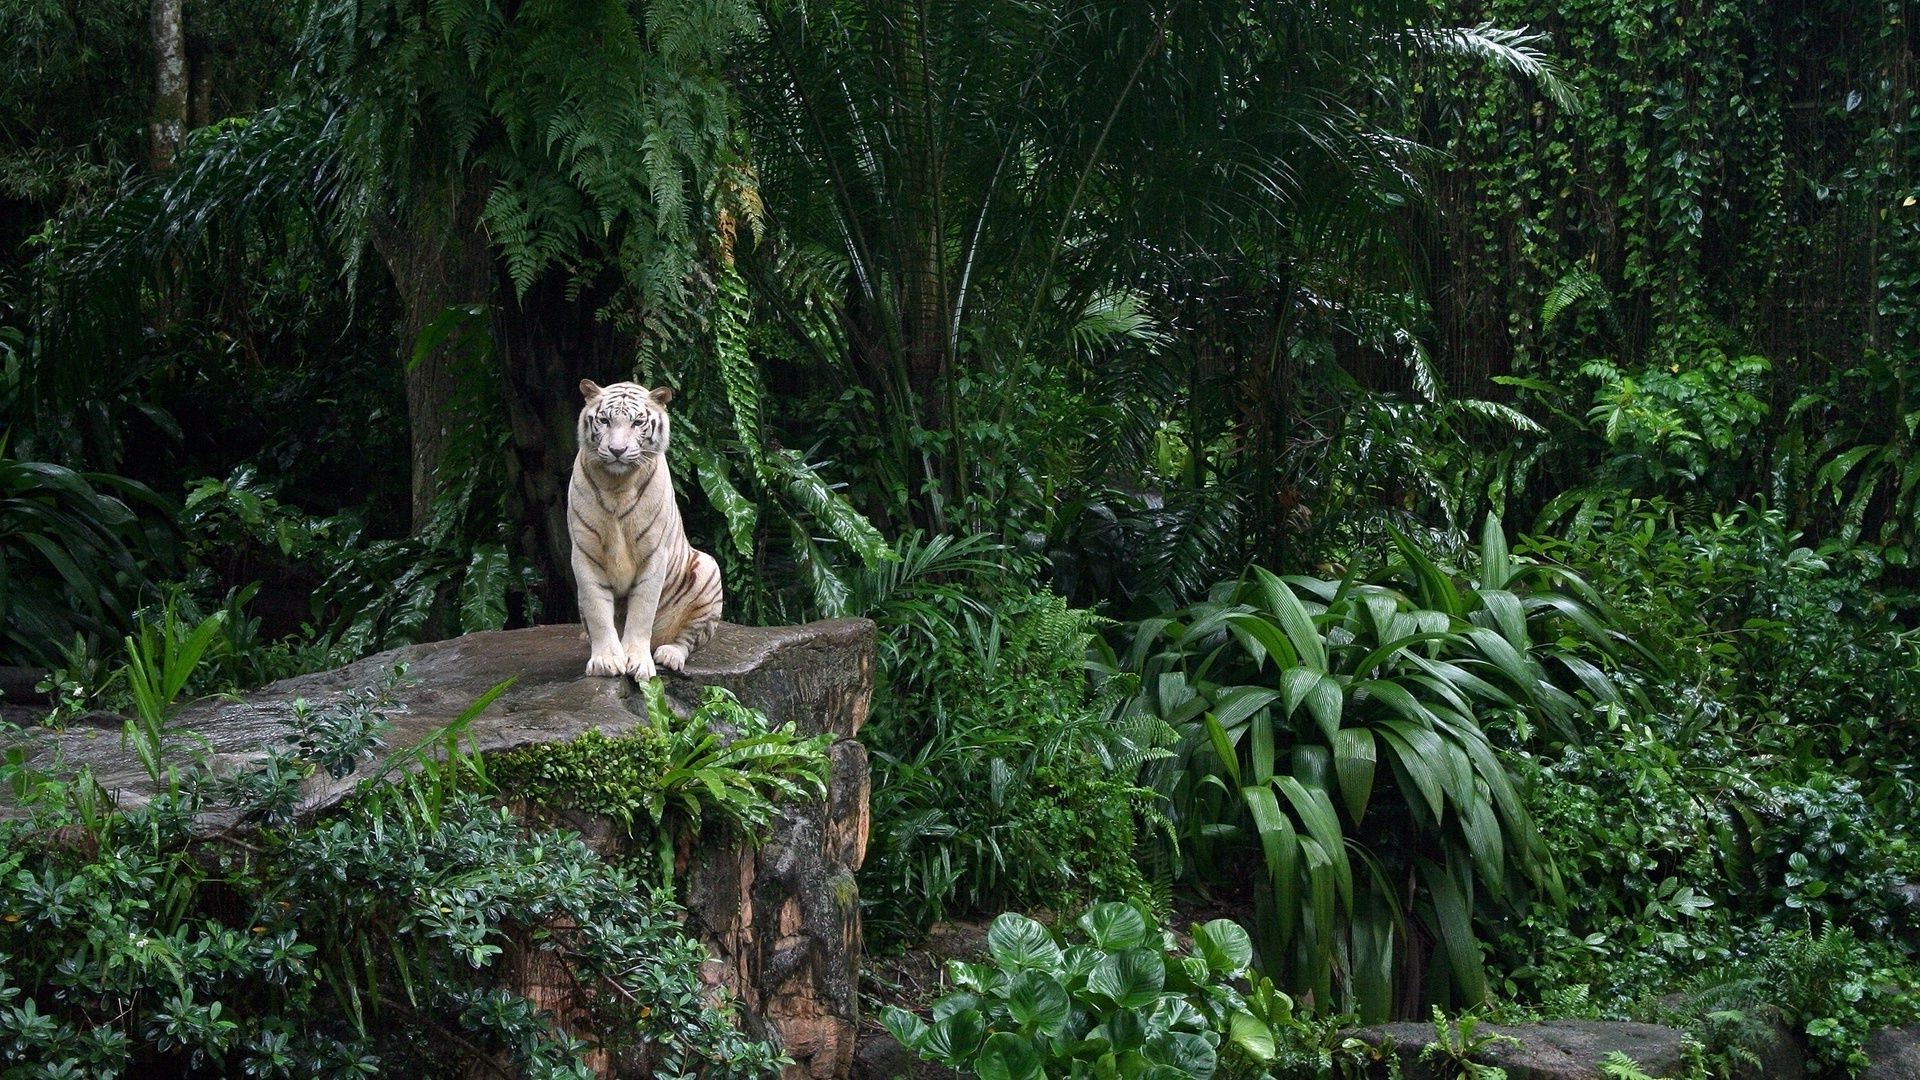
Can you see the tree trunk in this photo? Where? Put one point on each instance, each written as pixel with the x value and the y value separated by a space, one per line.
pixel 167 125
pixel 545 343
pixel 440 262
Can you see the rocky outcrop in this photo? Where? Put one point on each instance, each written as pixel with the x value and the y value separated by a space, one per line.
pixel 782 919
pixel 1554 1050
pixel 1894 1053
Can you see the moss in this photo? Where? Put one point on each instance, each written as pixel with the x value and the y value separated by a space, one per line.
pixel 616 776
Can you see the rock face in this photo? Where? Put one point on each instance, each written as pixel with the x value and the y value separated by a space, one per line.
pixel 783 920
pixel 1555 1050
pixel 1895 1054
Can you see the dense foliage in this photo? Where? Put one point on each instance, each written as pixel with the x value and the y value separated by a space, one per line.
pixel 372 942
pixel 1430 480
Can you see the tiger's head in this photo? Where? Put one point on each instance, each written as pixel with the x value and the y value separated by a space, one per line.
pixel 622 423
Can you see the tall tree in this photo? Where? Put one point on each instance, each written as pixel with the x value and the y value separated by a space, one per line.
pixel 167 124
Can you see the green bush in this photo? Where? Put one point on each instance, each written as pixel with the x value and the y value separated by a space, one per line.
pixel 75 556
pixel 1340 736
pixel 1125 1002
pixel 997 782
pixel 722 764
pixel 373 941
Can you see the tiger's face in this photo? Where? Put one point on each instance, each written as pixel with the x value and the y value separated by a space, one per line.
pixel 622 423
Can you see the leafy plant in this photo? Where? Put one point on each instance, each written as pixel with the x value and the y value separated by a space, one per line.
pixel 1125 1003
pixel 722 764
pixel 372 941
pixel 75 556
pixel 998 781
pixel 1456 1042
pixel 1288 707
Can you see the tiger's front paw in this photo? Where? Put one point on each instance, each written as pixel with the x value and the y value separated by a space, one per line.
pixel 607 664
pixel 640 664
pixel 671 657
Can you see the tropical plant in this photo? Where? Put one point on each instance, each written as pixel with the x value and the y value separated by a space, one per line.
pixel 998 782
pixel 1124 1003
pixel 75 556
pixel 1348 732
pixel 367 942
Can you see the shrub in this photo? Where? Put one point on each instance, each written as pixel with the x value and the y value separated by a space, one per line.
pixel 1125 1002
pixel 997 781
pixel 373 941
pixel 1341 737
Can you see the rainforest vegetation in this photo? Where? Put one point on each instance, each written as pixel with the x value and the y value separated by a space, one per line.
pixel 1420 493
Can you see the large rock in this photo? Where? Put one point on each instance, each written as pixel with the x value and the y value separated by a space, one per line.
pixel 782 919
pixel 1894 1053
pixel 1554 1050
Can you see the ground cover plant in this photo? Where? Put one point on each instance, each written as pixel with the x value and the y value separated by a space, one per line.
pixel 373 941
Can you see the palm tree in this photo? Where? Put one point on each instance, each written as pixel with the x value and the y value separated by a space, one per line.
pixel 962 184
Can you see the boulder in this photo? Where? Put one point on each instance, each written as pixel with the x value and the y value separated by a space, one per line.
pixel 782 919
pixel 1894 1054
pixel 1554 1050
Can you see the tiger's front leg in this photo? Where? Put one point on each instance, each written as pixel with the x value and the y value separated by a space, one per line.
pixel 596 611
pixel 637 641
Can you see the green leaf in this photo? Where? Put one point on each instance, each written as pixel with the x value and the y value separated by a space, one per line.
pixel 1252 1035
pixel 1114 926
pixel 1007 1056
pixel 956 1038
pixel 1224 945
pixel 1496 567
pixel 1186 1051
pixel 1038 1002
pixel 1130 979
pixel 741 514
pixel 1354 760
pixel 1017 943
pixel 1294 619
pixel 483 592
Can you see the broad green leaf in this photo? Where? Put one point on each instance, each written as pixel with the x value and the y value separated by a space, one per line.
pixel 1395 697
pixel 1354 761
pixel 1008 1056
pixel 1496 567
pixel 1224 945
pixel 1507 614
pixel 1436 591
pixel 1316 812
pixel 1130 979
pixel 1232 706
pixel 1037 1001
pixel 906 1028
pixel 1261 638
pixel 1415 750
pixel 955 1039
pixel 1017 942
pixel 740 512
pixel 1186 1051
pixel 1252 1035
pixel 1455 931
pixel 1293 617
pixel 1124 1031
pixel 1326 701
pixel 483 592
pixel 1114 926
pixel 1281 848
pixel 1222 748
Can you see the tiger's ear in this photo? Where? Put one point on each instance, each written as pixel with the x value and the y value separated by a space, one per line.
pixel 589 389
pixel 661 395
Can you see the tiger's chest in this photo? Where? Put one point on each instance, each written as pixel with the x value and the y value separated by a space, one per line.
pixel 620 532
pixel 633 542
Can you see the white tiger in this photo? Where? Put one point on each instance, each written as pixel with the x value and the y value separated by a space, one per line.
pixel 628 541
